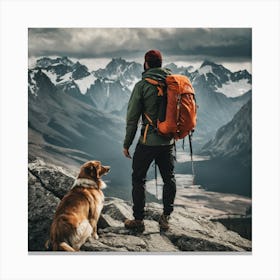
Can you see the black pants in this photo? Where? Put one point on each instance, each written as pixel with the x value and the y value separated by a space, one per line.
pixel 142 159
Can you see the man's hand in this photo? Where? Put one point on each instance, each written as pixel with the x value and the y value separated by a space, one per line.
pixel 126 153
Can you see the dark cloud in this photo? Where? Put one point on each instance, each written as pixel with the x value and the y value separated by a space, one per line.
pixel 232 43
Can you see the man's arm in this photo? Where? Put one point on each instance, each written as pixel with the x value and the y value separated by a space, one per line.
pixel 134 110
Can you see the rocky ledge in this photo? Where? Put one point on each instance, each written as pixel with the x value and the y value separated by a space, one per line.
pixel 189 232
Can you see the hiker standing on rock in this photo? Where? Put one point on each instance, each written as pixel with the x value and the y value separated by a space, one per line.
pixel 151 146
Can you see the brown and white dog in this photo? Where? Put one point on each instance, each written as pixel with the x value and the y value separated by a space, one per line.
pixel 77 214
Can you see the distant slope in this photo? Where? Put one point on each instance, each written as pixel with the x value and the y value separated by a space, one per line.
pixel 65 130
pixel 229 169
pixel 234 140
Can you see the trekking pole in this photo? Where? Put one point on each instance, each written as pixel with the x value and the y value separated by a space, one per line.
pixel 156 179
pixel 191 154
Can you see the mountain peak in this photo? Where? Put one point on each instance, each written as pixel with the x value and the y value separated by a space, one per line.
pixel 118 60
pixel 66 61
pixel 45 62
pixel 243 72
pixel 208 63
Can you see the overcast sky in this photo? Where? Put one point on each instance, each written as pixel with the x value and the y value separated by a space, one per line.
pixel 189 45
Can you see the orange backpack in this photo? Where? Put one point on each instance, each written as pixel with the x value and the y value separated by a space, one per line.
pixel 177 112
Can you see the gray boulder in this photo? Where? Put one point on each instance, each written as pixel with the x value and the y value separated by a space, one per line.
pixel 189 232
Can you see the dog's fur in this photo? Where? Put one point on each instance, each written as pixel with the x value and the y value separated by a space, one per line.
pixel 77 214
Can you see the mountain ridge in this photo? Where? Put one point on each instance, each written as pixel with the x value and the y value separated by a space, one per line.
pixel 233 140
pixel 120 69
pixel 67 126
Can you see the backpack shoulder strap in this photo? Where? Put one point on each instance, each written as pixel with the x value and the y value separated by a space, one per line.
pixel 159 85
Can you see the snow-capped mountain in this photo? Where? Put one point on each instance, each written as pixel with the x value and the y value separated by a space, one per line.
pixel 67 75
pixel 217 78
pixel 45 62
pixel 108 95
pixel 108 90
pixel 113 85
pixel 118 69
pixel 179 70
pixel 39 83
pixel 75 115
pixel 65 130
pixel 216 108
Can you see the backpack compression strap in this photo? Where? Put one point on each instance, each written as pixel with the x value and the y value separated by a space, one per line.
pixel 160 93
pixel 147 127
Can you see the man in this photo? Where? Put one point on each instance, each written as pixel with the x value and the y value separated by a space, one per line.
pixel 152 146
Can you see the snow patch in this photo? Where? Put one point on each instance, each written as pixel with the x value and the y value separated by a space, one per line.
pixel 94 64
pixel 32 62
pixel 108 90
pixel 85 83
pixel 64 79
pixel 52 76
pixel 132 84
pixel 237 88
pixel 205 69
pixel 33 85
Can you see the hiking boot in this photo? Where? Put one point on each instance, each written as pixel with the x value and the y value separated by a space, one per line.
pixel 137 225
pixel 164 222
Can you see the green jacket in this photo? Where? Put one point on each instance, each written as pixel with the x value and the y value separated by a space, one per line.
pixel 143 99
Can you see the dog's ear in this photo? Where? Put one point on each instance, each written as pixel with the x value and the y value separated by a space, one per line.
pixel 95 170
pixel 91 170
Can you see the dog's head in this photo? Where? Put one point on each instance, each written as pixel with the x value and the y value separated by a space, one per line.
pixel 93 170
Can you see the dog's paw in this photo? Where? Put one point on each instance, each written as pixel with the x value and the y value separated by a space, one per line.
pixel 95 236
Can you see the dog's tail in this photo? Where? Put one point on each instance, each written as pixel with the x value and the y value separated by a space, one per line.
pixel 63 246
pixel 60 231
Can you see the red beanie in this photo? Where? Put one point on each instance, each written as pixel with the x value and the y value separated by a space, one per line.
pixel 153 55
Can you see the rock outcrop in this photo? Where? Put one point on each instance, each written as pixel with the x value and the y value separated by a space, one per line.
pixel 189 232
